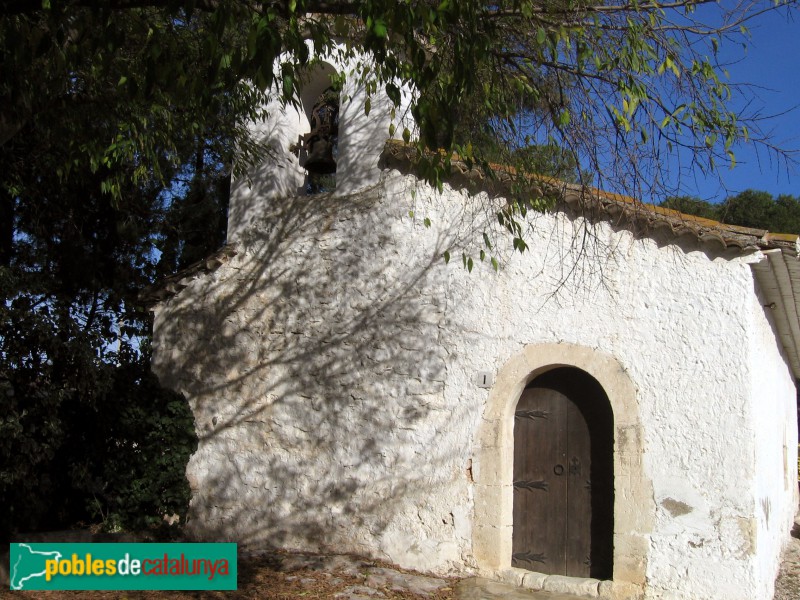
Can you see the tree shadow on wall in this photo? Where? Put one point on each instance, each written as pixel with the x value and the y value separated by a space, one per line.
pixel 314 367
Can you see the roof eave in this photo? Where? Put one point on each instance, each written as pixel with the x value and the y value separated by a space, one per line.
pixel 588 200
pixel 169 286
pixel 778 278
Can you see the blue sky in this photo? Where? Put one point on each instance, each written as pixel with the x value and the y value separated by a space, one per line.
pixel 771 65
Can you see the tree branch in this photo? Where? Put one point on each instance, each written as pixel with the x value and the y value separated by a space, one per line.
pixel 20 7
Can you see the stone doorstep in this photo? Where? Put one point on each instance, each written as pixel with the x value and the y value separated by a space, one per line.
pixel 569 587
pixel 582 587
pixel 479 588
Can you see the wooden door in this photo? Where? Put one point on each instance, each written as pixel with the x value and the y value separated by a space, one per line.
pixel 557 528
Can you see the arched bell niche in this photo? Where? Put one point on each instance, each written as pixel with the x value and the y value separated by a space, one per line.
pixel 355 151
pixel 318 145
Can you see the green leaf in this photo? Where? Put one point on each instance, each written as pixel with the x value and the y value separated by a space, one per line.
pixel 394 95
pixel 406 135
pixel 288 85
pixel 495 266
pixel 469 264
pixel 379 28
pixel 427 222
pixel 367 106
pixel 446 256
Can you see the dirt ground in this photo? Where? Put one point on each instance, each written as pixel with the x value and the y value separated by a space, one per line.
pixel 787 586
pixel 264 578
pixel 280 576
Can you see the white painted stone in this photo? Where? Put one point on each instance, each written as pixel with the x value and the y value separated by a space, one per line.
pixel 534 581
pixel 511 576
pixel 360 143
pixel 578 586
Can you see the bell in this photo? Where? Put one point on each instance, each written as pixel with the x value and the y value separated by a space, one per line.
pixel 320 159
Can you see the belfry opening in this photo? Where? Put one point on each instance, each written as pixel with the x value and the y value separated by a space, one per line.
pixel 318 149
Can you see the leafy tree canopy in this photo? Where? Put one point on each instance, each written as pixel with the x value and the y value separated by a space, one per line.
pixel 618 85
pixel 749 208
pixel 692 206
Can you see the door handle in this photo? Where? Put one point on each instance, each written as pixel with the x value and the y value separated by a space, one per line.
pixel 558 470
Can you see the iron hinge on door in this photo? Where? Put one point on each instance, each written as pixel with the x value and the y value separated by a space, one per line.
pixel 528 557
pixel 531 414
pixel 530 485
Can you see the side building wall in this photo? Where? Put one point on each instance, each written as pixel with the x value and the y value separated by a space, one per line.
pixel 775 417
pixel 335 369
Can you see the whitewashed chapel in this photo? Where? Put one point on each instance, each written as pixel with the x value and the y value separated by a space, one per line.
pixel 612 413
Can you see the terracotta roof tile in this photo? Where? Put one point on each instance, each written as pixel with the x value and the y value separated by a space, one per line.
pixel 653 218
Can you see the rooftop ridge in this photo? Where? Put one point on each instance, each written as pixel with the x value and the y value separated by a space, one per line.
pixel 398 153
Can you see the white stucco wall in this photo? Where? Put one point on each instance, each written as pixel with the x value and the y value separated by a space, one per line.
pixel 774 411
pixel 361 136
pixel 332 367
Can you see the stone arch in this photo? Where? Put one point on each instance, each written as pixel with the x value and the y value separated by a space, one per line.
pixel 634 507
pixel 318 79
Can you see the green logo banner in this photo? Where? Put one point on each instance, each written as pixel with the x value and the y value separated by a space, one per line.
pixel 122 566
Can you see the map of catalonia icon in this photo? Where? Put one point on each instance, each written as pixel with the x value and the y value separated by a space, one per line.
pixel 27 564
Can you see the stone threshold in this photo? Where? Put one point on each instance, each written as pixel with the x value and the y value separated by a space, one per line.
pixel 581 587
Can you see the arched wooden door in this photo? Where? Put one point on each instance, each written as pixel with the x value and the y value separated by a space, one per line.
pixel 563 477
